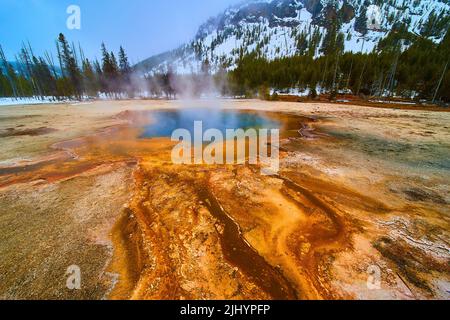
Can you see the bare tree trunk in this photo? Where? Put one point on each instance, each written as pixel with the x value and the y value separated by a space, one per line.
pixel 440 82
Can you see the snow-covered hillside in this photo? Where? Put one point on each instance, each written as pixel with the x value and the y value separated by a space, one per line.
pixel 278 28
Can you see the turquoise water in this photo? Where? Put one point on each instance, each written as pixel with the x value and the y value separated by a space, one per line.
pixel 164 122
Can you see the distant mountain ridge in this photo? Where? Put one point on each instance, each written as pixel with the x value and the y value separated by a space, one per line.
pixel 17 66
pixel 280 28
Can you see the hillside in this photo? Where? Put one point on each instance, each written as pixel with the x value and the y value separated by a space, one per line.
pixel 284 28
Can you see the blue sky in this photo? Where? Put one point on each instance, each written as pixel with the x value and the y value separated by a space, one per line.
pixel 143 27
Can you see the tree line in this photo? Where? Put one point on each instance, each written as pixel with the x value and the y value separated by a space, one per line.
pixel 71 76
pixel 402 65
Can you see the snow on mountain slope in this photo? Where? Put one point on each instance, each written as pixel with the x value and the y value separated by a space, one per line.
pixel 278 28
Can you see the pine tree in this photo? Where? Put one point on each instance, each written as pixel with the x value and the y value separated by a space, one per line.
pixel 10 74
pixel 5 87
pixel 302 43
pixel 361 21
pixel 114 65
pixel 114 76
pixel 107 70
pixel 125 72
pixel 90 79
pixel 70 65
pixel 124 65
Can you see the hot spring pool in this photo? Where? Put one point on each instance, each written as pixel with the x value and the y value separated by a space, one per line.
pixel 163 122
